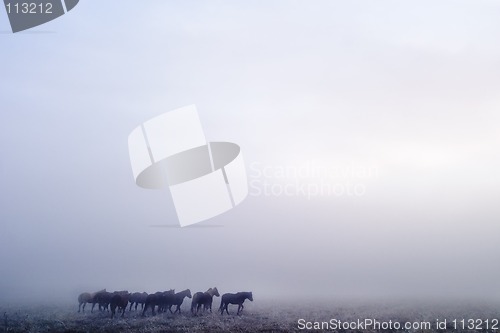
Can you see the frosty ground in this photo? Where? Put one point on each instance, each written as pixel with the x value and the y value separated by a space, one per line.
pixel 259 316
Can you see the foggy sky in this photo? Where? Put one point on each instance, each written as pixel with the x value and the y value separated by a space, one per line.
pixel 409 89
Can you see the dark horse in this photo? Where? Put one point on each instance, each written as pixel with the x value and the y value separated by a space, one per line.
pixel 119 300
pixel 237 298
pixel 137 298
pixel 204 299
pixel 176 300
pixel 85 298
pixel 103 299
pixel 155 299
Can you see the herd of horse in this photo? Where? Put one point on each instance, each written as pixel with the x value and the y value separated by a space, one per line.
pixel 161 301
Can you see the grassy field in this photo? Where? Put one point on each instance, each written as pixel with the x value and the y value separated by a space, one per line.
pixel 257 317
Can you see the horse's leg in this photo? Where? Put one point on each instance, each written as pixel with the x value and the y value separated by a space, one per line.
pixel 225 308
pixel 123 312
pixel 178 309
pixel 144 310
pixel 92 310
pixel 227 304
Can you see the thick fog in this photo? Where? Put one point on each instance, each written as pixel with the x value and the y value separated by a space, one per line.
pixel 370 132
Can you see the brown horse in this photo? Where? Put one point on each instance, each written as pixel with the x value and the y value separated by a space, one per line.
pixel 205 299
pixel 237 298
pixel 119 300
pixel 155 299
pixel 102 299
pixel 85 298
pixel 137 298
pixel 176 300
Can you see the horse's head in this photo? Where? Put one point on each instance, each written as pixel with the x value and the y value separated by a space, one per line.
pixel 215 292
pixel 250 296
pixel 99 292
pixel 188 293
pixel 102 291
